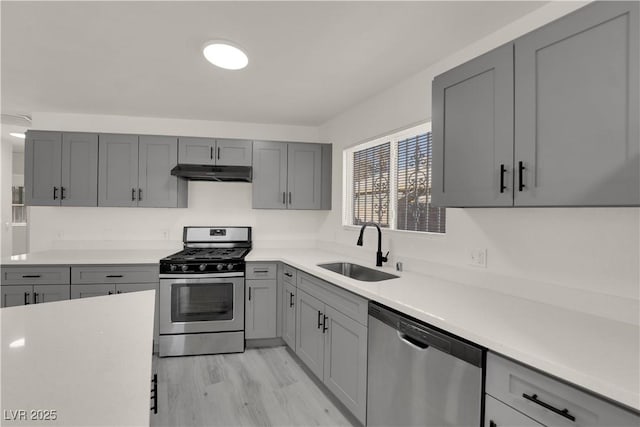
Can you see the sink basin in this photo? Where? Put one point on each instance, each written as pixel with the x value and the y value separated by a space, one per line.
pixel 358 272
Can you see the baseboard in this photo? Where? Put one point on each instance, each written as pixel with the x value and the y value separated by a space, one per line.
pixel 264 342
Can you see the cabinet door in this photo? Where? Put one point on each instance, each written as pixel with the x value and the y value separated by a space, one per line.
pixel 473 132
pixel 497 414
pixel 86 291
pixel 304 176
pixel 234 152
pixel 157 187
pixel 345 361
pixel 309 336
pixel 79 185
pixel 260 317
pixel 196 151
pixel 117 170
pixel 17 295
pixel 269 175
pixel 50 293
pixel 43 163
pixel 289 320
pixel 576 100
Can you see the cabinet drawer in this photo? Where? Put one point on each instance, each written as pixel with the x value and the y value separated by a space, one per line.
pixel 289 274
pixel 261 270
pixel 35 275
pixel 497 414
pixel 535 394
pixel 344 301
pixel 115 274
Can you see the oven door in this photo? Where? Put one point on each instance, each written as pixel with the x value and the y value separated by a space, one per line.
pixel 203 304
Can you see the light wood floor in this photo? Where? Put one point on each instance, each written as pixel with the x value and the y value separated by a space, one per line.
pixel 260 387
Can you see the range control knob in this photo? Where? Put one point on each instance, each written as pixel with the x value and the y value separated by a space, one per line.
pixel 173 267
pixel 202 267
pixel 184 267
pixel 229 267
pixel 219 267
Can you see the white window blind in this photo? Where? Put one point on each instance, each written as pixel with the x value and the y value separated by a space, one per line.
pixel 388 181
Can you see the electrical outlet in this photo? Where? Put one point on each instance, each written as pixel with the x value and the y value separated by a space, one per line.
pixel 165 234
pixel 478 257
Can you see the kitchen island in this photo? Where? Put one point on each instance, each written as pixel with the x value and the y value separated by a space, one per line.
pixel 84 362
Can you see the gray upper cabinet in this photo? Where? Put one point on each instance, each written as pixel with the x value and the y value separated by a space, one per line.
pixel 118 170
pixel 196 151
pixel 304 176
pixel 79 185
pixel 576 101
pixel 234 152
pixel 157 188
pixel 291 175
pixel 43 164
pixel 61 169
pixel 136 171
pixel 548 120
pixel 269 175
pixel 473 132
pixel 209 151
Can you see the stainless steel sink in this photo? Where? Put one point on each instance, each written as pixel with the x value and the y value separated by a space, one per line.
pixel 358 272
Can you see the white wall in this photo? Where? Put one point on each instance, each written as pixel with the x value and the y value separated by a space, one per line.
pixel 210 203
pixel 566 256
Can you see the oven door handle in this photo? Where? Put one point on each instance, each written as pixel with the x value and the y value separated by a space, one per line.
pixel 202 276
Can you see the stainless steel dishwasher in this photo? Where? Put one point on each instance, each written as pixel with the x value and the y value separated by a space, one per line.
pixel 418 376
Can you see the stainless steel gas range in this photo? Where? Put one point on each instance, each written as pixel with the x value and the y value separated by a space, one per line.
pixel 202 292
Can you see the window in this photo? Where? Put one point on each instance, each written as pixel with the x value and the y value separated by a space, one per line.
pixel 388 181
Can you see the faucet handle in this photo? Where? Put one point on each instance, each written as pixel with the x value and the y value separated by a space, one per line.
pixel 385 257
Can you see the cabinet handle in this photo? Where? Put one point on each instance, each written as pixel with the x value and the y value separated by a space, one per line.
pixel 133 194
pixel 290 300
pixel 521 169
pixel 110 293
pixel 289 197
pixel 62 193
pixel 111 276
pixel 562 412
pixel 288 274
pixel 249 293
pixel 218 153
pixel 324 324
pixel 261 271
pixel 30 276
pixel 26 298
pixel 492 424
pixel 35 298
pixel 503 170
pixel 118 292
pixel 139 193
pixel 284 198
pixel 319 317
pixel 55 193
pixel 211 153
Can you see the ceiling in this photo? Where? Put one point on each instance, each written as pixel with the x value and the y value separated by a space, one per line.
pixel 308 61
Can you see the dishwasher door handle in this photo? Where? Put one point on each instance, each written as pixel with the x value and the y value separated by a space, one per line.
pixel 412 342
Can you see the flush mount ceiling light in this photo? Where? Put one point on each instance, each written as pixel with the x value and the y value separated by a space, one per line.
pixel 224 55
pixel 17 135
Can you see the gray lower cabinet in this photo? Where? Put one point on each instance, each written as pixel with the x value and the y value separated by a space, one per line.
pixel 289 315
pixel 15 295
pixel 530 395
pixel 291 175
pixel 497 414
pixel 93 290
pixel 551 119
pixel 333 346
pixel 260 309
pixel 61 169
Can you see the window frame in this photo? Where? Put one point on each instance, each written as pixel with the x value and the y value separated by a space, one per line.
pixel 347 178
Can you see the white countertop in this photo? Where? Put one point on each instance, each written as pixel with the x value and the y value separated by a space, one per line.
pixel 595 353
pixel 89 257
pixel 87 359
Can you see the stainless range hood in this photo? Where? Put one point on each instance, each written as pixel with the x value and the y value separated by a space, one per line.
pixel 213 173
